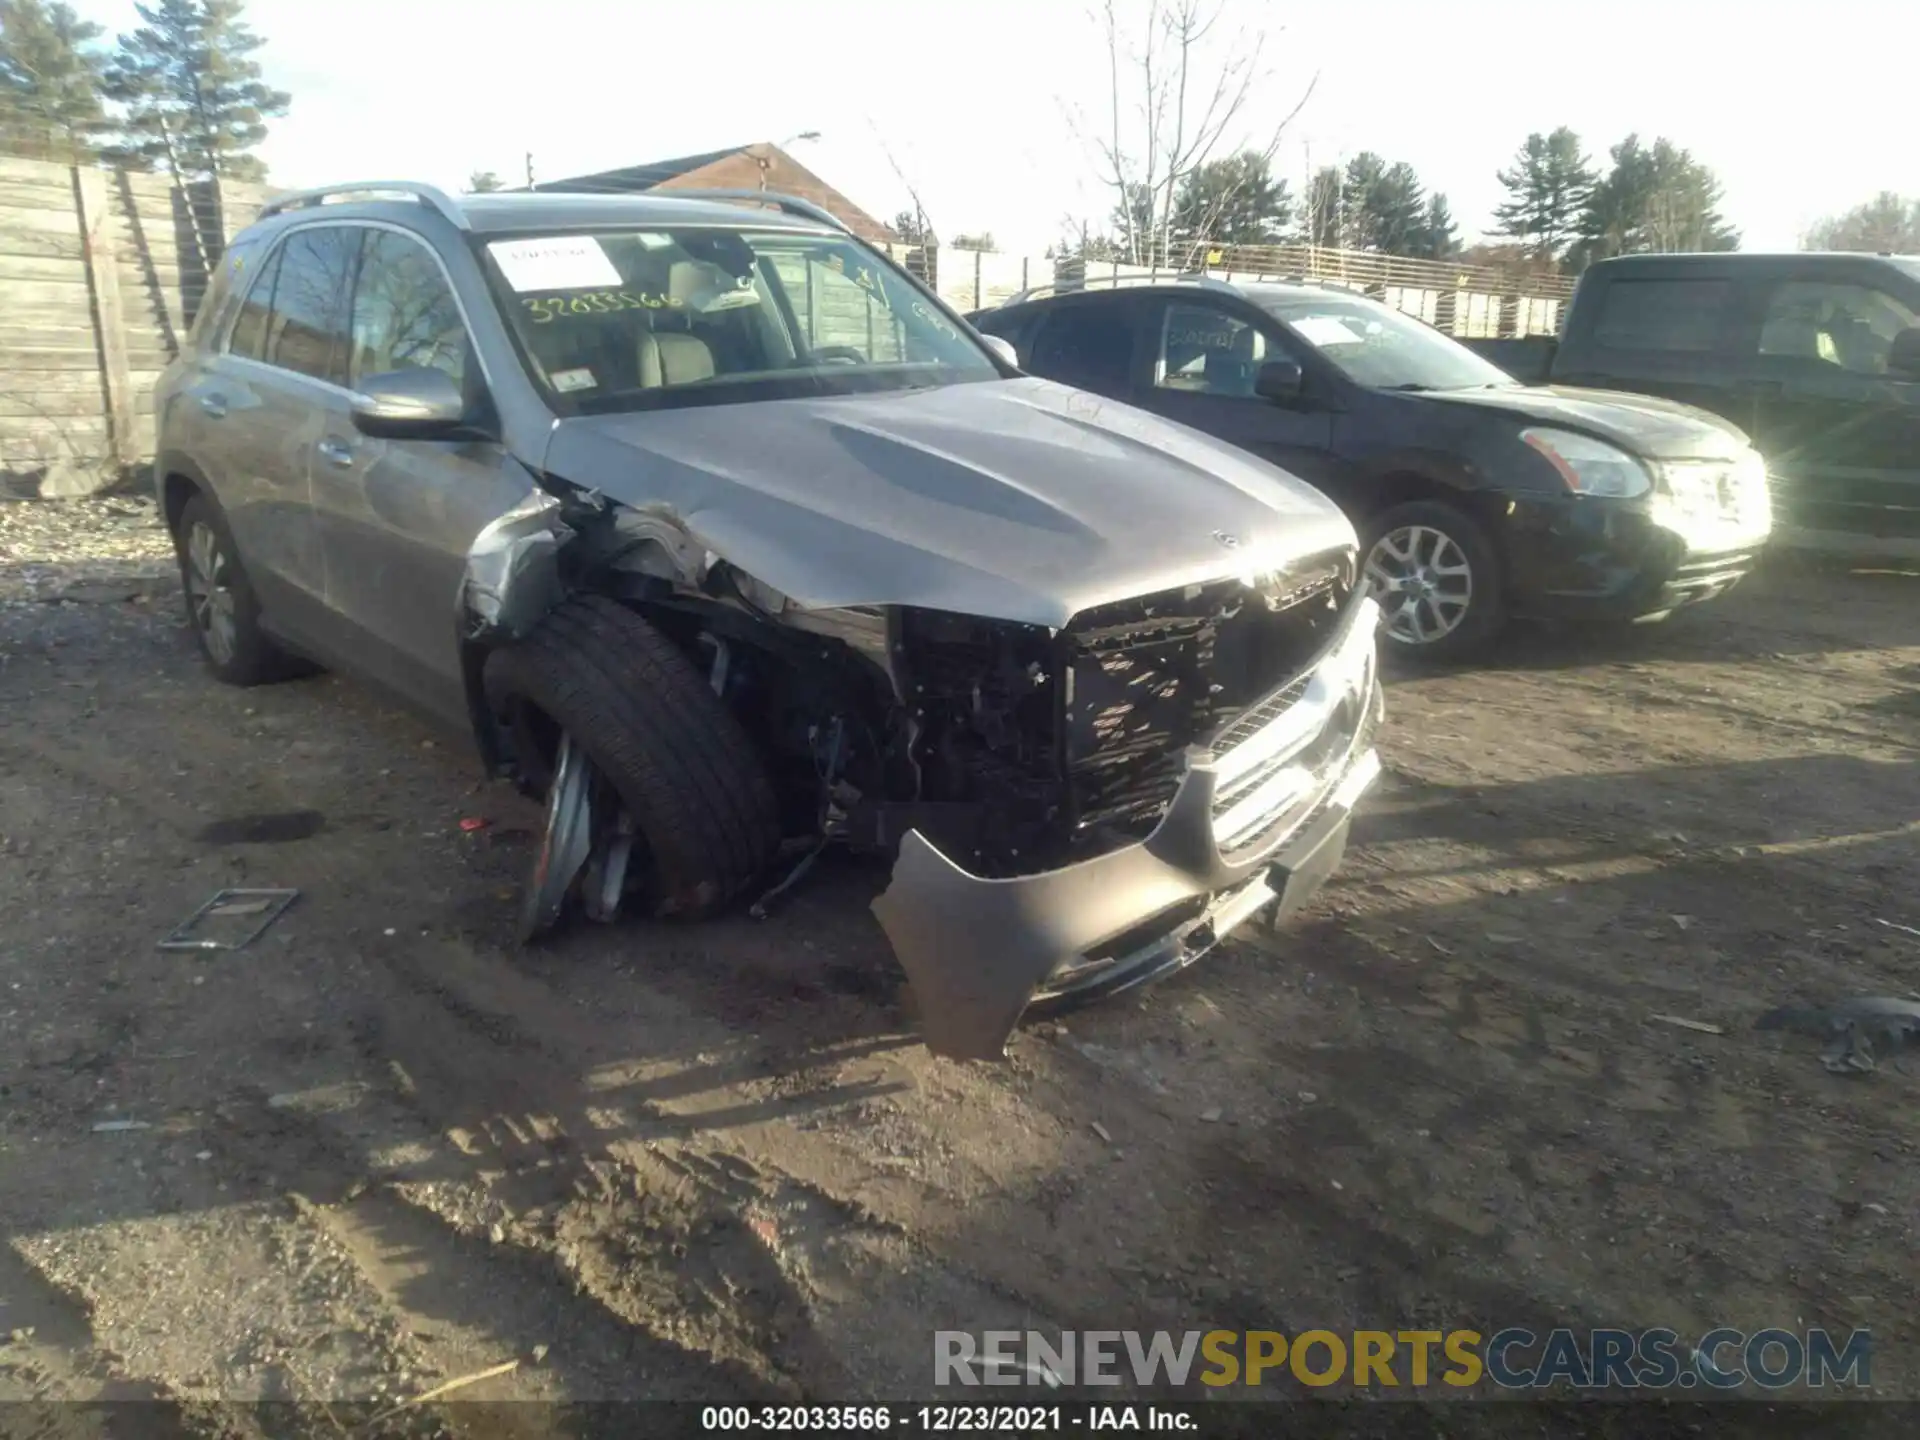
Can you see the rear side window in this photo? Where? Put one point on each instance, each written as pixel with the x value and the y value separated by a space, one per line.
pixel 295 316
pixel 1674 315
pixel 249 337
pixel 231 277
pixel 1828 324
pixel 1088 345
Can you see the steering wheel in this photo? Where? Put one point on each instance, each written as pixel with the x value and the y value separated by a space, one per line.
pixel 838 355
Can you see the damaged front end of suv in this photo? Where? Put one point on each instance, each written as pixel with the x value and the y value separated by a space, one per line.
pixel 1073 809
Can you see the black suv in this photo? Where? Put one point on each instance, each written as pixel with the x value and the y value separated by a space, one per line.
pixel 1476 497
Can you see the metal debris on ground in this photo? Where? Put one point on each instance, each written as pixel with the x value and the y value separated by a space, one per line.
pixel 1851 1028
pixel 268 905
pixel 1895 925
pixel 1703 1026
pixel 114 1127
pixel 1102 1132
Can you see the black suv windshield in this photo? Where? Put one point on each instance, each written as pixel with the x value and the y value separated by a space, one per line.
pixel 645 319
pixel 1379 347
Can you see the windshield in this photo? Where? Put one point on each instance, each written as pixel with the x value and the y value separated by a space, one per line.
pixel 1381 348
pixel 632 320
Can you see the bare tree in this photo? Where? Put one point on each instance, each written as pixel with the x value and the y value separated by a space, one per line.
pixel 1183 109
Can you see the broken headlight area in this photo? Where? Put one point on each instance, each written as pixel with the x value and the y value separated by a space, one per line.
pixel 1032 749
pixel 1206 758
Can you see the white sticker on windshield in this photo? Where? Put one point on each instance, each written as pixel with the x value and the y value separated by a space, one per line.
pixel 1325 330
pixel 563 262
pixel 581 379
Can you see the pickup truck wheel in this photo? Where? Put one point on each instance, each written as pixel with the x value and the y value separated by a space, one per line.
pixel 1437 580
pixel 696 789
pixel 222 609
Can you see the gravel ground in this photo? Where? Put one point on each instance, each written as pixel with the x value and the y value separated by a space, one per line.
pixel 84 550
pixel 384 1148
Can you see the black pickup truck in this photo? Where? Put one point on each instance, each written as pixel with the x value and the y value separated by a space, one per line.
pixel 1815 356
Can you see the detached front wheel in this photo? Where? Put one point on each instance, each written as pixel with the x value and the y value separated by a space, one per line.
pixel 596 683
pixel 1436 578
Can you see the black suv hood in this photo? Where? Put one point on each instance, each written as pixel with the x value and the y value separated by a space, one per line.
pixel 1011 499
pixel 1657 429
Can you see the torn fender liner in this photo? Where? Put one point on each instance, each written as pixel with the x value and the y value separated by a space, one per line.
pixel 513 571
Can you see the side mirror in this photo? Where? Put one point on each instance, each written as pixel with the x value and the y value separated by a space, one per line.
pixel 1903 356
pixel 1279 381
pixel 413 404
pixel 1002 347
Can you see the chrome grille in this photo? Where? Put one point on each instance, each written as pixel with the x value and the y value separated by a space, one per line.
pixel 1274 763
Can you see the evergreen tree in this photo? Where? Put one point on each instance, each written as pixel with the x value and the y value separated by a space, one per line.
pixel 1655 198
pixel 1439 239
pixel 50 75
pixel 1548 189
pixel 1383 206
pixel 193 97
pixel 484 182
pixel 1235 201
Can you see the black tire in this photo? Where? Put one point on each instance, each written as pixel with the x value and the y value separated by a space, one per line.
pixel 1485 614
pixel 238 651
pixel 691 778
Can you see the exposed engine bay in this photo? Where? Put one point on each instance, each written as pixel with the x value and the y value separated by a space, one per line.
pixel 1009 750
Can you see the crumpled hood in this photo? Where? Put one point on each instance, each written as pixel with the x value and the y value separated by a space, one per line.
pixel 1014 499
pixel 1658 429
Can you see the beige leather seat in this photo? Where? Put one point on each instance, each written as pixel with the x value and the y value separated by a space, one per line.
pixel 668 358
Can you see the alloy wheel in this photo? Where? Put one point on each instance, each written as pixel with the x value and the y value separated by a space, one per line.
pixel 1422 581
pixel 210 592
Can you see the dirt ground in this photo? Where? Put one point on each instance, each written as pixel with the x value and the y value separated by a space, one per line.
pixel 383 1148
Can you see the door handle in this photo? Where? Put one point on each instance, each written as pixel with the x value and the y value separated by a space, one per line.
pixel 336 452
pixel 215 405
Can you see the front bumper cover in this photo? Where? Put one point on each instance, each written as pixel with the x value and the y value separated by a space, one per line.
pixel 978 951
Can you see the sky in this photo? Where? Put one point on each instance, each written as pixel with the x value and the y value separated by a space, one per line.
pixel 991 109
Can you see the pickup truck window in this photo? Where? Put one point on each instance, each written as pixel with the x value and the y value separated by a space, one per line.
pixel 1829 323
pixel 1681 315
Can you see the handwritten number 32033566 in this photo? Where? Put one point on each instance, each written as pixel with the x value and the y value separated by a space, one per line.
pixel 544 310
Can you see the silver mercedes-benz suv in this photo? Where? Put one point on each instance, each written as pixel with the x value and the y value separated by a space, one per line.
pixel 727 537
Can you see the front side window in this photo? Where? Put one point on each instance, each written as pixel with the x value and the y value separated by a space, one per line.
pixel 633 320
pixel 1206 351
pixel 404 313
pixel 295 315
pixel 1379 347
pixel 1671 315
pixel 1826 324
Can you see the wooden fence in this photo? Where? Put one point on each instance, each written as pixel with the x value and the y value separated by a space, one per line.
pixel 101 274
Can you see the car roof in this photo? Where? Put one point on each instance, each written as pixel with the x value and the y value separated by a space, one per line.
pixel 1759 260
pixel 520 211
pixel 1260 292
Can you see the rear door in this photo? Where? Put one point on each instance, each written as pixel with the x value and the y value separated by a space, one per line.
pixel 1673 335
pixel 1841 432
pixel 1088 342
pixel 399 517
pixel 1202 356
pixel 259 404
